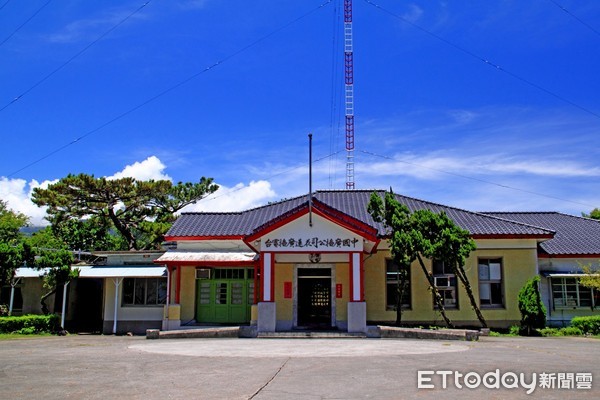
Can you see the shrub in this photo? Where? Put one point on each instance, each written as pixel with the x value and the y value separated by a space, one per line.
pixel 533 312
pixel 571 331
pixel 588 325
pixel 514 330
pixel 568 331
pixel 30 324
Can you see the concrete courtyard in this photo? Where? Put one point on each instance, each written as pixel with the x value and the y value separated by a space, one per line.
pixel 107 367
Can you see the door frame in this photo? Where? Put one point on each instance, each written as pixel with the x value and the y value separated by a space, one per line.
pixel 331 267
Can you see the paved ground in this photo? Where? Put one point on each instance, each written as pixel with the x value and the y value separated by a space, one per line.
pixel 106 367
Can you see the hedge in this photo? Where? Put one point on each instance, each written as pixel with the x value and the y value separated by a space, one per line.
pixel 587 325
pixel 29 324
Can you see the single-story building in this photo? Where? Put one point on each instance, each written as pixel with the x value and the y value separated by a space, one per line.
pixel 576 243
pixel 116 292
pixel 325 264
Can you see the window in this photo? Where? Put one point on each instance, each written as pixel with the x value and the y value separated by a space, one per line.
pixel 229 273
pixel 394 276
pixel 17 300
pixel 144 291
pixel 490 282
pixel 445 282
pixel 568 293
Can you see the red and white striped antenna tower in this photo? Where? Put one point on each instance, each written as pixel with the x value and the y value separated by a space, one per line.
pixel 349 89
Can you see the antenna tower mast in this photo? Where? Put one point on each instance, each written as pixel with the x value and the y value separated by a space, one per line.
pixel 349 89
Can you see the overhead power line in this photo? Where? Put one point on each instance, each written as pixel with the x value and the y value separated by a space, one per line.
pixel 485 61
pixel 170 89
pixel 4 5
pixel 24 23
pixel 476 179
pixel 582 22
pixel 80 52
pixel 287 171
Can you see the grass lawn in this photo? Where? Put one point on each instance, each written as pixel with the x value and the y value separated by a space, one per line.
pixel 12 336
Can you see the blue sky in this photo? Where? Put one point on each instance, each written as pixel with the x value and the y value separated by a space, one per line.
pixel 241 84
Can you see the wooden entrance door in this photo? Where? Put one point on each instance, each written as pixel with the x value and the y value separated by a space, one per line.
pixel 314 298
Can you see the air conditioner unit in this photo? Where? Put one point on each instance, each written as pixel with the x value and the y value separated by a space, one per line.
pixel 203 273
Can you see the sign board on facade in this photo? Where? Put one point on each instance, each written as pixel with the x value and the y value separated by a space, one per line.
pixel 324 236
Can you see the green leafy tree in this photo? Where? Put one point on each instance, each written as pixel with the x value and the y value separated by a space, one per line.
pixel 57 271
pixel 87 234
pixel 13 253
pixel 407 242
pixel 10 224
pixel 533 312
pixel 139 211
pixel 451 244
pixel 396 218
pixel 419 235
pixel 590 277
pixel 595 214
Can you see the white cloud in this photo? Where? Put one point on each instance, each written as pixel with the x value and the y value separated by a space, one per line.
pixel 433 166
pixel 17 194
pixel 87 28
pixel 238 198
pixel 413 14
pixel 150 168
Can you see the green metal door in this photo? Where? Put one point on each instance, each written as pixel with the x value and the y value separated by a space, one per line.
pixel 224 300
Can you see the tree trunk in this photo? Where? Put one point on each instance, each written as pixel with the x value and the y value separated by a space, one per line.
pixel 45 309
pixel 400 289
pixel 460 272
pixel 131 242
pixel 436 295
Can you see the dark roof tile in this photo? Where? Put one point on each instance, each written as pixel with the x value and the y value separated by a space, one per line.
pixel 351 202
pixel 574 235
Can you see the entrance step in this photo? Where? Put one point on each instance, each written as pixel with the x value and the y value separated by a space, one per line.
pixel 309 335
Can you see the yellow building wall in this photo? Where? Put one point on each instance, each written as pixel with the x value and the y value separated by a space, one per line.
pixel 342 277
pixel 188 294
pixel 284 307
pixel 519 263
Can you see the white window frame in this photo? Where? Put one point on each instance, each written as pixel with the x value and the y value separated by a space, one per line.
pixel 486 280
pixel 145 303
pixel 571 299
pixel 394 282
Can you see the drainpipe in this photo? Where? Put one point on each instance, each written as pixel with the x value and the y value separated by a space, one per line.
pixel 13 284
pixel 117 282
pixel 168 296
pixel 64 306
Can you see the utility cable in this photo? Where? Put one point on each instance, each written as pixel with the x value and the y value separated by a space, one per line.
pixel 475 179
pixel 582 22
pixel 24 23
pixel 287 171
pixel 80 52
pixel 170 89
pixel 4 5
pixel 484 60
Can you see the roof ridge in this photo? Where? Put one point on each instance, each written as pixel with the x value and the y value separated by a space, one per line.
pixel 477 213
pixel 519 212
pixel 211 212
pixel 519 223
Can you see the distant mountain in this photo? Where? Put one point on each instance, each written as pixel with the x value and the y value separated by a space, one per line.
pixel 30 230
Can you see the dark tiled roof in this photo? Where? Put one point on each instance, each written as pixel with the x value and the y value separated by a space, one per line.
pixel 574 235
pixel 351 202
